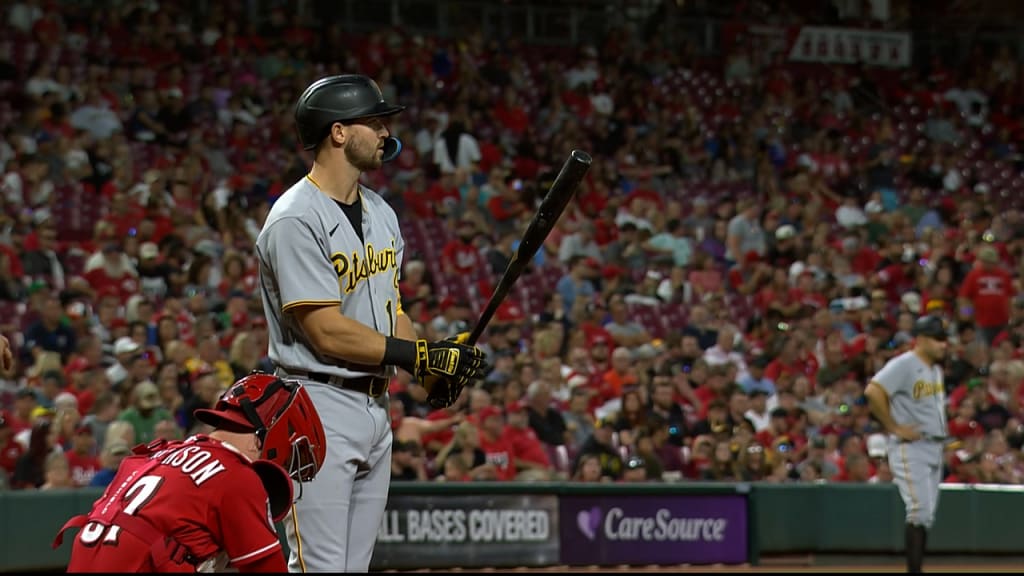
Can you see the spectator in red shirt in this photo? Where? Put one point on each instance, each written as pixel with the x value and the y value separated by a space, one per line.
pixel 10 449
pixel 82 461
pixel 112 270
pixel 964 469
pixel 789 362
pixel 986 294
pixel 443 195
pixel 504 208
pixel 856 468
pixel 435 441
pixel 460 256
pixel 963 425
pixel 511 114
pixel 527 448
pixel 494 443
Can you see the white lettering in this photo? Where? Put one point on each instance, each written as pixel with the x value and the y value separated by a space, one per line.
pixel 194 462
pixel 455 526
pixel 179 457
pixel 206 472
pixel 436 525
pixel 189 458
pixel 618 526
pixel 509 525
pixel 390 528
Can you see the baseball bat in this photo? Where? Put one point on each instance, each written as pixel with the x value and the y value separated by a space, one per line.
pixel 551 207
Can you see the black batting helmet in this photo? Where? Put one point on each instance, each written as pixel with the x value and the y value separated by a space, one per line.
pixel 337 99
pixel 930 326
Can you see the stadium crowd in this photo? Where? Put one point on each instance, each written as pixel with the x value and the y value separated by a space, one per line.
pixel 749 247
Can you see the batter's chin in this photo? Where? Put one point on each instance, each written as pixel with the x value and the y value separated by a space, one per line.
pixel 368 164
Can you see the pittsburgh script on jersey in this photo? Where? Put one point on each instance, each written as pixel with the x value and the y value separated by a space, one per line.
pixel 356 269
pixel 924 389
pixel 192 460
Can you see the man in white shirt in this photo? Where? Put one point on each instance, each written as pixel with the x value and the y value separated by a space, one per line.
pixel 580 243
pixel 95 117
pixel 456 150
pixel 759 414
pixel 125 349
pixel 724 353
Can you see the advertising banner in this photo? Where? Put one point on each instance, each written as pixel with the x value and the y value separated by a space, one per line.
pixel 470 531
pixel 694 529
pixel 850 46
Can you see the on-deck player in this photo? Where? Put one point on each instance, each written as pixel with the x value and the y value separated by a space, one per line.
pixel 908 398
pixel 330 252
pixel 208 502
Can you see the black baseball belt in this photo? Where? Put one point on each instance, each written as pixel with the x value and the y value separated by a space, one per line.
pixel 372 386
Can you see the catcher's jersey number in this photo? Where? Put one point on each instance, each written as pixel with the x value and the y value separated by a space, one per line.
pixel 141 492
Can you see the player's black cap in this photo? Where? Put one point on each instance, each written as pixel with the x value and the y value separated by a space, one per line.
pixel 336 99
pixel 930 326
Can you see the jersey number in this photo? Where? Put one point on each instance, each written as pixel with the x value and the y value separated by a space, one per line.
pixel 140 493
pixel 390 307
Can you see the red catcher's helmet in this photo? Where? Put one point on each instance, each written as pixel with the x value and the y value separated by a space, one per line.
pixel 282 416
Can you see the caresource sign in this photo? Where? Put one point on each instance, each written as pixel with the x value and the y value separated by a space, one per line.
pixel 654 529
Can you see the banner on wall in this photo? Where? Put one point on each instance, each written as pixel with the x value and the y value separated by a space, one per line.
pixel 694 529
pixel 468 531
pixel 850 46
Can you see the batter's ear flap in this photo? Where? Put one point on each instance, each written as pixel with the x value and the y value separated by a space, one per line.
pixel 278 486
pixel 392 148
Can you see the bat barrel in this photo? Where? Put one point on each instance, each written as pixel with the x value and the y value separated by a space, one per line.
pixel 550 209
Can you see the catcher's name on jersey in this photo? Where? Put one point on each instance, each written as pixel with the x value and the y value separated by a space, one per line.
pixel 353 269
pixel 192 460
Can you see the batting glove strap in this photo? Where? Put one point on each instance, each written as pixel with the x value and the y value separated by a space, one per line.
pixel 401 353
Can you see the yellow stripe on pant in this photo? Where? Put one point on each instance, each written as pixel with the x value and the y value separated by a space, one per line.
pixel 915 506
pixel 298 539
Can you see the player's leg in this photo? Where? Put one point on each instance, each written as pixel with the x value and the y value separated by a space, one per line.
pixel 934 453
pixel 316 528
pixel 370 495
pixel 911 475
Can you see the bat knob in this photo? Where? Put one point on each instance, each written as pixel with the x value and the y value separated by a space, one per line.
pixel 581 157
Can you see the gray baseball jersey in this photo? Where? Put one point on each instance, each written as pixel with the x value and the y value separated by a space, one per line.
pixel 916 393
pixel 916 397
pixel 309 253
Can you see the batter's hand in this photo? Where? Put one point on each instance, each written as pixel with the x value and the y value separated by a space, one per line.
pixel 907 432
pixel 450 359
pixel 441 392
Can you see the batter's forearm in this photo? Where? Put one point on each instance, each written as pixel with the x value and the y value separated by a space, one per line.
pixel 337 336
pixel 879 405
pixel 404 328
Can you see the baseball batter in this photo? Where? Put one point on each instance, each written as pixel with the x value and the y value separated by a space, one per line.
pixel 330 253
pixel 907 396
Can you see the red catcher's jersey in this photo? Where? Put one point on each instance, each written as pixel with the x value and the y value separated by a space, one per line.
pixel 200 491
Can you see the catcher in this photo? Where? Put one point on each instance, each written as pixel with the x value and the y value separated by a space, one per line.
pixel 209 502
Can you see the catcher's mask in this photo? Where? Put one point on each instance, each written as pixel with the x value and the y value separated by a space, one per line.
pixel 282 416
